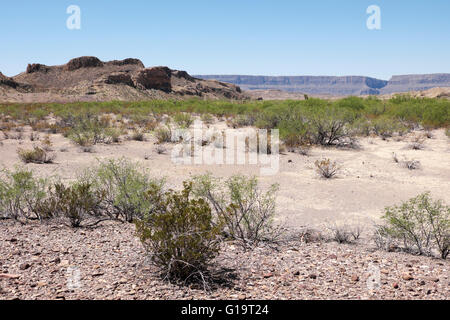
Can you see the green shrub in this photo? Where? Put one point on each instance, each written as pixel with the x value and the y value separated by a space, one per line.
pixel 20 191
pixel 184 120
pixel 37 155
pixel 447 132
pixel 75 203
pixel 125 186
pixel 179 233
pixel 246 211
pixel 420 225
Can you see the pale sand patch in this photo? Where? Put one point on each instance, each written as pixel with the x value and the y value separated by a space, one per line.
pixel 369 179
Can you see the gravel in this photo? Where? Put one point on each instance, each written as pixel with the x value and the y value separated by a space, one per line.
pixel 52 261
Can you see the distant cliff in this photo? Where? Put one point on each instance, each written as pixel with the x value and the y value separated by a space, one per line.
pixel 347 85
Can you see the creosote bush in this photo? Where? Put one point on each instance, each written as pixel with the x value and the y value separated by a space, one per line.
pixel 20 191
pixel 420 225
pixel 125 186
pixel 75 203
pixel 163 134
pixel 180 233
pixel 246 211
pixel 37 155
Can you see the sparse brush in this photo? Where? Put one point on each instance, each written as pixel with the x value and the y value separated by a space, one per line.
pixel 345 233
pixel 411 164
pixel 160 149
pixel 37 155
pixel 207 118
pixel 138 135
pixel 163 134
pixel 184 120
pixel 34 136
pixel 327 169
pixel 417 143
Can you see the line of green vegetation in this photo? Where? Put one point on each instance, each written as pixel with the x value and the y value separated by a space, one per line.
pixel 308 122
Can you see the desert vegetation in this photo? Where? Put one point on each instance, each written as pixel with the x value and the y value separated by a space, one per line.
pixel 187 226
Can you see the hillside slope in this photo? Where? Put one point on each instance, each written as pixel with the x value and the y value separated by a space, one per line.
pixel 90 79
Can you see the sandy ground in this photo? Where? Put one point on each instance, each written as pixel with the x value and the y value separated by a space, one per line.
pixel 368 181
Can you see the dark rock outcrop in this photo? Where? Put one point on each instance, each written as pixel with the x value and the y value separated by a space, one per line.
pixel 37 67
pixel 129 61
pixel 83 62
pixel 120 78
pixel 154 78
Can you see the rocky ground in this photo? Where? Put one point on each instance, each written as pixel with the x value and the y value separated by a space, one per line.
pixel 38 261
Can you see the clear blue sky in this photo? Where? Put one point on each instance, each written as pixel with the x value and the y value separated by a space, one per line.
pixel 260 37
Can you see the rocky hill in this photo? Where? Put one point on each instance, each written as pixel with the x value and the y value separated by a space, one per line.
pixel 336 86
pixel 90 79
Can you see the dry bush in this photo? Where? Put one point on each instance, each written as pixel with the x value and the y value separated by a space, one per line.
pixel 411 164
pixel 75 203
pixel 160 149
pixel 163 134
pixel 345 233
pixel 327 169
pixel 138 135
pixel 37 155
pixel 417 143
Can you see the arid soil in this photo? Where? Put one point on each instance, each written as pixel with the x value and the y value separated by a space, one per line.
pixel 112 264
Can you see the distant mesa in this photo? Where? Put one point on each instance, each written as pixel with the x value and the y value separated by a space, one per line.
pixel 338 86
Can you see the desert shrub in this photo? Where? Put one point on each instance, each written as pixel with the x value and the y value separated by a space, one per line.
pixel 124 185
pixel 420 225
pixel 447 132
pixel 242 120
pixel 386 127
pixel 207 118
pixel 327 169
pixel 37 155
pixel 112 135
pixel 184 120
pixel 246 211
pixel 180 233
pixel 87 130
pixel 410 164
pixel 417 143
pixel 163 134
pixel 138 135
pixel 20 191
pixel 345 233
pixel 160 149
pixel 328 126
pixel 74 203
